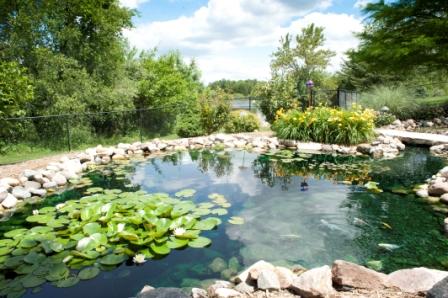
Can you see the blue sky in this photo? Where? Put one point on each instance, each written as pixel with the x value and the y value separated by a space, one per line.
pixel 234 39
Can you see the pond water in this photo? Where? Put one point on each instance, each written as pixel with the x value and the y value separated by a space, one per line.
pixel 297 209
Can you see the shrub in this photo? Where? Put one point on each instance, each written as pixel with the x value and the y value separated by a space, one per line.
pixel 189 125
pixel 242 121
pixel 383 119
pixel 214 110
pixel 326 125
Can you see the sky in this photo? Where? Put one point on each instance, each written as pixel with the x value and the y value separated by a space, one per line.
pixel 234 39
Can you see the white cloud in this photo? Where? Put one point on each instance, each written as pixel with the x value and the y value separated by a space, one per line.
pixel 361 3
pixel 235 39
pixel 132 3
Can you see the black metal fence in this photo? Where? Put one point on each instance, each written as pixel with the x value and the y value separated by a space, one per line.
pixel 72 131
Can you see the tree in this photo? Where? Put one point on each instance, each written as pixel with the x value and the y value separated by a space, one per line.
pixel 405 34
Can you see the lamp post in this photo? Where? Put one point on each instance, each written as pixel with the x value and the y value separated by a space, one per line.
pixel 310 84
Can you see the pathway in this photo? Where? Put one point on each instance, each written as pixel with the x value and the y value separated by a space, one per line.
pixel 415 138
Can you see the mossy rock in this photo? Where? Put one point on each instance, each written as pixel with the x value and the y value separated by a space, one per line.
pixel 218 265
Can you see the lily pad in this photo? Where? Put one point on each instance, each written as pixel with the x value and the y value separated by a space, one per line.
pixel 160 248
pixel 199 242
pixel 91 228
pixel 185 193
pixel 88 273
pixel 31 281
pixel 68 282
pixel 113 259
pixel 235 220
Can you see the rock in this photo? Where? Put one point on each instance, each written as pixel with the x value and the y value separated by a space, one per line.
pixel 49 185
pixel 312 147
pixel 9 181
pixel 364 148
pixel 145 289
pixel 422 193
pixel 437 188
pixel 376 152
pixel 163 293
pixel 10 201
pixel 198 293
pixel 268 280
pixel 316 282
pixel 21 193
pixel 445 225
pixel 428 124
pixel 219 284
pixel 258 266
pixel 217 265
pixel 439 290
pixel 285 276
pixel 444 198
pixel 415 280
pixel 3 193
pixel 244 287
pixel 29 174
pixel 31 185
pixel 346 274
pixel 38 192
pixel 119 157
pixel 225 293
pixel 59 179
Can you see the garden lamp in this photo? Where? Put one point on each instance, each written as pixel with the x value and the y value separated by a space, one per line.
pixel 310 84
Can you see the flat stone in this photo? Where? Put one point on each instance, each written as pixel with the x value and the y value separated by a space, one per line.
pixel 439 290
pixel 9 181
pixel 20 193
pixel 59 179
pixel 163 293
pixel 316 282
pixel 31 185
pixel 311 147
pixel 244 287
pixel 226 293
pixel 49 185
pixel 254 268
pixel 198 293
pixel 415 280
pixel 285 276
pixel 346 274
pixel 415 138
pixel 38 192
pixel 268 280
pixel 10 201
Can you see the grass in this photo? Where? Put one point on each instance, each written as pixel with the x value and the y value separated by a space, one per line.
pixel 26 151
pixel 433 101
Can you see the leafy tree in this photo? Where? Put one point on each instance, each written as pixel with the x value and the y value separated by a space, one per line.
pixel 239 87
pixel 214 109
pixel 404 34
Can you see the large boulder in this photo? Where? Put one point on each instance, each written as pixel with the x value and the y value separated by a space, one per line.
pixel 268 280
pixel 163 293
pixel 437 187
pixel 439 290
pixel 415 280
pixel 316 282
pixel 285 276
pixel 346 274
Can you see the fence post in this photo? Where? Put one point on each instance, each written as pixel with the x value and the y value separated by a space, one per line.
pixel 69 136
pixel 141 125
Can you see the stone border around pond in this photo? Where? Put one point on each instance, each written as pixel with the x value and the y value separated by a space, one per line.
pixel 343 279
pixel 38 183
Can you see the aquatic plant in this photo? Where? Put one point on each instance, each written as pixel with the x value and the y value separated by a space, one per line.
pixel 326 125
pixel 99 232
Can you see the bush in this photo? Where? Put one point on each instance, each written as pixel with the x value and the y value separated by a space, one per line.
pixel 383 119
pixel 214 110
pixel 326 125
pixel 242 121
pixel 189 125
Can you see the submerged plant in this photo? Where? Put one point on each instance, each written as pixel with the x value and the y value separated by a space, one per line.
pixel 100 231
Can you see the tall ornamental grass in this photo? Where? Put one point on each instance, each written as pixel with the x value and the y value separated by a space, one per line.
pixel 326 125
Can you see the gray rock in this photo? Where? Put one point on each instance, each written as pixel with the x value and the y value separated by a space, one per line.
pixel 10 201
pixel 316 282
pixel 9 181
pixel 198 293
pixel 415 280
pixel 50 184
pixel 226 293
pixel 346 274
pixel 444 198
pixel 163 293
pixel 3 193
pixel 218 284
pixel 437 188
pixel 376 152
pixel 439 290
pixel 364 148
pixel 268 280
pixel 59 179
pixel 31 185
pixel 29 174
pixel 422 193
pixel 38 192
pixel 285 276
pixel 21 193
pixel 244 287
pixel 257 267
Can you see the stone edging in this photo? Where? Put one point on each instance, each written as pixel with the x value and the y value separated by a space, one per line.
pixel 37 183
pixel 341 279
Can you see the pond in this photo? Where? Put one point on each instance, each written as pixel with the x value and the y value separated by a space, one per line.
pixel 281 207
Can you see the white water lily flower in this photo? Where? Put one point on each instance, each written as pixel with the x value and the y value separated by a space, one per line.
pixel 141 212
pixel 179 231
pixel 60 206
pixel 139 259
pixel 106 208
pixel 120 227
pixel 35 212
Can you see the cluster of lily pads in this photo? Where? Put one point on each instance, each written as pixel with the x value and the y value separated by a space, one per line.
pixel 99 232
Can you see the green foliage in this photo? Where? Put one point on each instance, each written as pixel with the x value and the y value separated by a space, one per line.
pixel 239 88
pixel 383 119
pixel 326 125
pixel 188 124
pixel 214 109
pixel 242 121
